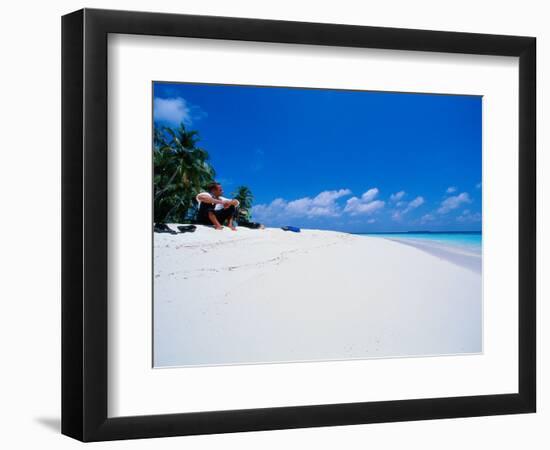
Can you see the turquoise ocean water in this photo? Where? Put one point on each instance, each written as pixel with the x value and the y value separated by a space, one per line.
pixel 463 249
pixel 467 241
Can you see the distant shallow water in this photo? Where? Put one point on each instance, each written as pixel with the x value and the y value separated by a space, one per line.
pixel 462 249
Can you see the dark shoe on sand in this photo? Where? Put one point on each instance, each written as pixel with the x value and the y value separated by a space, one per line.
pixel 163 228
pixel 187 228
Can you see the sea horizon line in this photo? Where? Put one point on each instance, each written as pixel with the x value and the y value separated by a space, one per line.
pixel 418 232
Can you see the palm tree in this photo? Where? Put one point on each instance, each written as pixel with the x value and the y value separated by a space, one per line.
pixel 245 197
pixel 181 169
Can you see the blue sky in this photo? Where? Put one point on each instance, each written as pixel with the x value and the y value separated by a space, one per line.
pixel 334 159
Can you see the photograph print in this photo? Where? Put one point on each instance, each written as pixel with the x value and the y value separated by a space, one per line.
pixel 307 224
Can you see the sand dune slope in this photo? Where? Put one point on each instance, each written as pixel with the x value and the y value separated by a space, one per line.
pixel 254 296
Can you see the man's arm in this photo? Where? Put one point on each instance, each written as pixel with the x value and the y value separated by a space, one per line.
pixel 207 198
pixel 227 203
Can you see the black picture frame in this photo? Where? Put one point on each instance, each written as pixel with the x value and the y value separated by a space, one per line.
pixel 84 224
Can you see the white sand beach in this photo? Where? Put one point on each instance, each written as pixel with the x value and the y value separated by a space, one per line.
pixel 260 296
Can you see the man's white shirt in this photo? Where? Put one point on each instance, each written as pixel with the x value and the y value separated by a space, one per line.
pixel 217 206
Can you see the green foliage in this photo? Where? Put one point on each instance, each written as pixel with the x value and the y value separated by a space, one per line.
pixel 244 195
pixel 181 171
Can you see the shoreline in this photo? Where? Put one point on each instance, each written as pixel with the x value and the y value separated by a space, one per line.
pixel 453 253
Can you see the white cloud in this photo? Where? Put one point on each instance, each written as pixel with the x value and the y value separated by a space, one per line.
pixel 369 195
pixel 364 205
pixel 413 204
pixel 322 205
pixel 453 202
pixel 451 189
pixel 355 207
pixel 327 198
pixel 397 196
pixel 371 220
pixel 173 110
pixel 478 185
pixel 299 207
pixel 268 211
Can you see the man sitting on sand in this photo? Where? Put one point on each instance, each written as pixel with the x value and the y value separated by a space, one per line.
pixel 215 209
